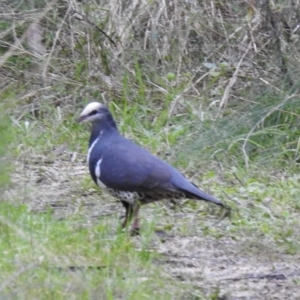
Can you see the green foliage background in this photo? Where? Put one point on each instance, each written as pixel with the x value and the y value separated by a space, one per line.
pixel 210 86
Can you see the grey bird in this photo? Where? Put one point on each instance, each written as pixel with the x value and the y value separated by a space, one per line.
pixel 128 171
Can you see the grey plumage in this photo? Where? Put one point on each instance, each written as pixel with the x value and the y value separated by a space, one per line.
pixel 128 171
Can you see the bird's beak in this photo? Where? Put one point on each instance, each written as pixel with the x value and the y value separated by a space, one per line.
pixel 80 119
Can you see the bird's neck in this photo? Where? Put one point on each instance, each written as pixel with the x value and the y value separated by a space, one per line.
pixel 102 128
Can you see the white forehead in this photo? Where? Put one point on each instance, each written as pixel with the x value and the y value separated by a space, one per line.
pixel 90 107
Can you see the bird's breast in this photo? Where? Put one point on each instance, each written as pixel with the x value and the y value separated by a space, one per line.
pixel 91 149
pixel 127 196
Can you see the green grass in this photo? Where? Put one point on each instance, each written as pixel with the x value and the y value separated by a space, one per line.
pixel 60 239
pixel 78 257
pixel 48 258
pixel 41 252
pixel 43 258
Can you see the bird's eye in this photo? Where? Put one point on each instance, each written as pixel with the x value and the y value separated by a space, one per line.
pixel 93 112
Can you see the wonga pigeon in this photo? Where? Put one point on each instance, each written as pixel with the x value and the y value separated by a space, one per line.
pixel 129 172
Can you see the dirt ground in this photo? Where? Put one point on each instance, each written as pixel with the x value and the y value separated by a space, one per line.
pixel 238 268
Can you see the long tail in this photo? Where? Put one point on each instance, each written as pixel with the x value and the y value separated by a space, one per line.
pixel 194 193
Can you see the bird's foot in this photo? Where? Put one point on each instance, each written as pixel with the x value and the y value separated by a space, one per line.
pixel 135 231
pixel 135 228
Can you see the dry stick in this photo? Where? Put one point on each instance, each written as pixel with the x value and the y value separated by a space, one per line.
pixel 276 276
pixel 18 42
pixel 274 87
pixel 233 79
pixel 174 102
pixel 261 121
pixel 93 24
pixel 16 46
pixel 54 45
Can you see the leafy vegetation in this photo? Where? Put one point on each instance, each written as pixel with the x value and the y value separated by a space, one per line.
pixel 210 86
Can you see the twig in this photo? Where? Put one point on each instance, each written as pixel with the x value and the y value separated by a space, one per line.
pixel 18 42
pixel 189 85
pixel 174 102
pixel 233 79
pixel 81 17
pixel 270 276
pixel 53 46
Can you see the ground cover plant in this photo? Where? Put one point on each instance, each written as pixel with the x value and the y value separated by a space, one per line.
pixel 211 87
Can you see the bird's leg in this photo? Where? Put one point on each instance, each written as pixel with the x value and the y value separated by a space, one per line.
pixel 132 211
pixel 128 213
pixel 135 227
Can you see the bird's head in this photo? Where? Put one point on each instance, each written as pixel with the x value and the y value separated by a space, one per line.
pixel 100 117
pixel 94 111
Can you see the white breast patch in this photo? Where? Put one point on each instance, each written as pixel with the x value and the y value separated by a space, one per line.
pixel 98 168
pixel 129 197
pixel 90 150
pixel 98 173
pixel 92 147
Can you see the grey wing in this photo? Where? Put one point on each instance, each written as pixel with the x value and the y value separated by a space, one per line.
pixel 131 167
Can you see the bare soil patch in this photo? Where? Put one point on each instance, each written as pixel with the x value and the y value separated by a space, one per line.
pixel 230 268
